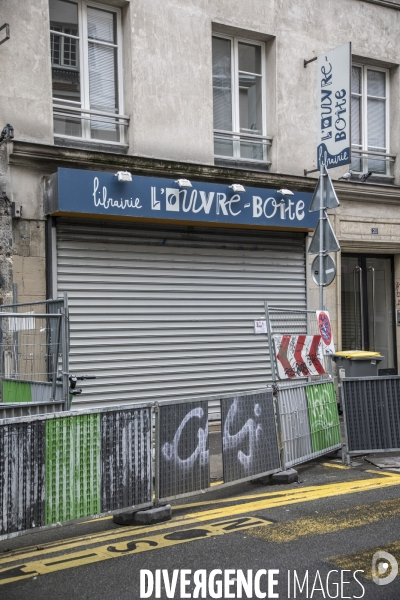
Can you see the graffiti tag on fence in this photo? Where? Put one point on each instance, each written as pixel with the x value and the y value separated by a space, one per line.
pixel 184 448
pixel 249 443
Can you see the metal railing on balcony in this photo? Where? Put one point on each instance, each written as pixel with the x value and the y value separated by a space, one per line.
pixel 379 162
pixel 249 147
pixel 77 122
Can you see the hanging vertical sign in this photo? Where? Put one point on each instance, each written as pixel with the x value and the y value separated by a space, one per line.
pixel 334 102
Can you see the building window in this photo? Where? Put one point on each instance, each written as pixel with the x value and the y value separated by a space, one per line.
pixel 239 99
pixel 370 120
pixel 85 44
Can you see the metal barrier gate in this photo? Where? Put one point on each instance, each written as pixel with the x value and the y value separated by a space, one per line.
pixel 309 421
pixel 371 408
pixel 65 466
pixel 33 352
pixel 249 442
pixel 307 407
pixel 70 465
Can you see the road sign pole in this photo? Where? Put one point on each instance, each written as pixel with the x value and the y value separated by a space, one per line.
pixel 321 239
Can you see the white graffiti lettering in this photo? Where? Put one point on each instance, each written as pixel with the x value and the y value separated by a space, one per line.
pixel 250 433
pixel 170 450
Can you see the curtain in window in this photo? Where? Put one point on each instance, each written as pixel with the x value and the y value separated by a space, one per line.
pixel 102 67
pixel 376 117
pixel 222 84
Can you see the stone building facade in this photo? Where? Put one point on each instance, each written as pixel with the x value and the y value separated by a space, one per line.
pixel 216 93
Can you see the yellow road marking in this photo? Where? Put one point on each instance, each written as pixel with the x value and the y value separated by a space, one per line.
pixel 261 502
pixel 335 465
pixel 346 518
pixel 363 560
pixel 106 552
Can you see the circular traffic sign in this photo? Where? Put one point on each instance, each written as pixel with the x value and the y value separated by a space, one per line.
pixel 328 270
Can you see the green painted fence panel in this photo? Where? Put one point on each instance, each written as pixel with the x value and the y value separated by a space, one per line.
pixel 323 415
pixel 73 467
pixel 16 391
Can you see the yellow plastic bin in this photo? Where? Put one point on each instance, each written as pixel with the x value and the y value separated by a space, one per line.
pixel 357 363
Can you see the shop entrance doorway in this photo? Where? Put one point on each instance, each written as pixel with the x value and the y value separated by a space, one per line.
pixel 367 307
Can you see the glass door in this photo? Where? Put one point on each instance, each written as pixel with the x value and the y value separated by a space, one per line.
pixel 367 307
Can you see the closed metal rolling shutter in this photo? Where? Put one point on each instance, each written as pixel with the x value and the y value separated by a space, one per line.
pixel 168 312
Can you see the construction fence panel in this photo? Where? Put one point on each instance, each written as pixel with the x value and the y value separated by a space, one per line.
pixel 371 407
pixel 19 409
pixel 309 421
pixel 249 442
pixel 184 456
pixel 22 476
pixel 290 322
pixel 65 466
pixel 34 353
pixel 126 458
pixel 249 437
pixel 72 467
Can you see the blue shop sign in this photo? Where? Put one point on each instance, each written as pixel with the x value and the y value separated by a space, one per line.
pixel 74 191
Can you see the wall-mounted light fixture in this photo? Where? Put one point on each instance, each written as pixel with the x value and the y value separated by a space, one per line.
pixel 237 187
pixel 285 192
pixel 184 183
pixel 123 176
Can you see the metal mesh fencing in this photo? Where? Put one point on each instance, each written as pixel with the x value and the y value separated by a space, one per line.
pixel 33 349
pixel 62 467
pixel 10 411
pixel 295 425
pixel 22 476
pixel 324 417
pixel 371 408
pixel 287 321
pixel 73 478
pixel 249 439
pixel 249 442
pixel 183 448
pixel 309 421
pixel 126 459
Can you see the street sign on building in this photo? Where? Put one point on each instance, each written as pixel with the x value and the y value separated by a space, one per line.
pixel 334 104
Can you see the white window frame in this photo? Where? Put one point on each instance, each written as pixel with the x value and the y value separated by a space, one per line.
pixel 235 134
pixel 82 109
pixel 364 122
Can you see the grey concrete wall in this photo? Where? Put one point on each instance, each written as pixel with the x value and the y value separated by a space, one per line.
pixel 167 69
pixel 25 76
pixel 5 237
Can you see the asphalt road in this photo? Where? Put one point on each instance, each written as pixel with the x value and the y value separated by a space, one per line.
pixel 313 535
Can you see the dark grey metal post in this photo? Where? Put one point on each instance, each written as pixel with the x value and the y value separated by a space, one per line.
pixel 270 344
pixel 321 238
pixel 54 358
pixel 65 354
